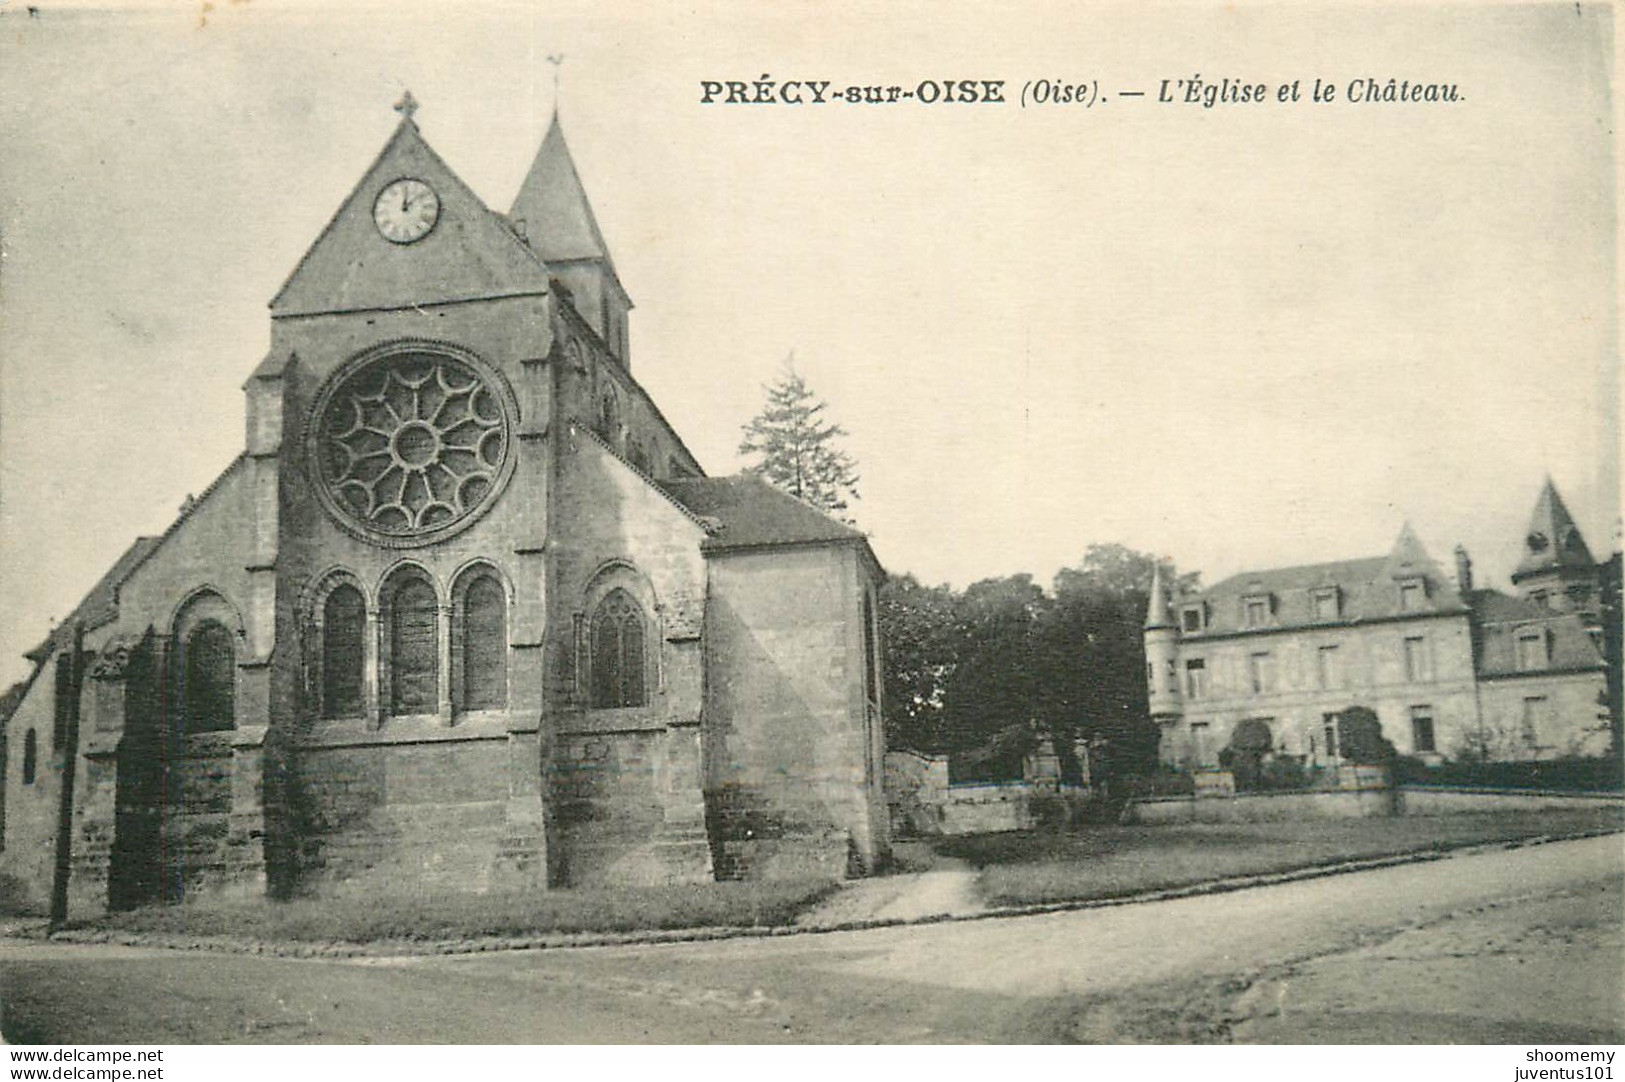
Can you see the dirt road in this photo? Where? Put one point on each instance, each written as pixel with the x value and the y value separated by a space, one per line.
pixel 1515 946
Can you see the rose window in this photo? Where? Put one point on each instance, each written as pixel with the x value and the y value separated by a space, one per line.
pixel 411 444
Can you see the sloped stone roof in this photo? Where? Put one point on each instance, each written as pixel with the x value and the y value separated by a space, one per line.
pixel 750 513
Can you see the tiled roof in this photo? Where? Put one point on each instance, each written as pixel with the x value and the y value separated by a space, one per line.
pixel 751 513
pixel 1367 589
pixel 101 604
pixel 1565 643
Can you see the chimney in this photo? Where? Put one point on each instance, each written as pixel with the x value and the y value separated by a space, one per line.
pixel 1464 571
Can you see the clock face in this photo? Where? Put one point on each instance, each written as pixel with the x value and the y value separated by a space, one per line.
pixel 406 210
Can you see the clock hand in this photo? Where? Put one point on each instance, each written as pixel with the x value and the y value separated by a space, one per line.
pixel 404 200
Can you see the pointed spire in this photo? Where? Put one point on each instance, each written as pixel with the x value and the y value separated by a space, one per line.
pixel 1552 540
pixel 552 203
pixel 1156 613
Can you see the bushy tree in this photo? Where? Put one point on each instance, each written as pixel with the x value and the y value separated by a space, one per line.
pixel 1360 739
pixel 985 672
pixel 923 638
pixel 796 449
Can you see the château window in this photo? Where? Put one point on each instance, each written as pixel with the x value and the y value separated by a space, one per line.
pixel 485 645
pixel 1193 618
pixel 209 678
pixel 344 622
pixel 1261 670
pixel 1326 603
pixel 1327 673
pixel 1534 713
pixel 1422 739
pixel 1418 659
pixel 1412 595
pixel 30 756
pixel 414 648
pixel 618 653
pixel 1196 678
pixel 1328 726
pixel 1534 651
pixel 1256 610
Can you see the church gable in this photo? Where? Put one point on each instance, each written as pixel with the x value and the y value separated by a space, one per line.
pixel 440 244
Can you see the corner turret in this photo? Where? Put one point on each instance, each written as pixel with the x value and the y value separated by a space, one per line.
pixel 1162 658
pixel 1556 569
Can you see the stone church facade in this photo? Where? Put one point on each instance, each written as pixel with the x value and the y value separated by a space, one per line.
pixel 465 613
pixel 1450 669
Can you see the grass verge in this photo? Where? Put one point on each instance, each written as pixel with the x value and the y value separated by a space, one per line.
pixel 1111 861
pixel 430 917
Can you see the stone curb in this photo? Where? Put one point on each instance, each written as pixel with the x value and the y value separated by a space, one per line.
pixel 563 941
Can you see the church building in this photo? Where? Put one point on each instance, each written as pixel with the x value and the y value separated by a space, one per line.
pixel 464 614
pixel 1451 670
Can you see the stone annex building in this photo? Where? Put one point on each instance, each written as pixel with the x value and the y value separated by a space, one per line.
pixel 465 613
pixel 1448 668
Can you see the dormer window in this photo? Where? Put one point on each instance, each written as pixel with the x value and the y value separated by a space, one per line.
pixel 1328 603
pixel 1256 610
pixel 1534 649
pixel 1193 617
pixel 1413 595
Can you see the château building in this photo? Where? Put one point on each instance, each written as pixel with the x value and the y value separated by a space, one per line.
pixel 1450 669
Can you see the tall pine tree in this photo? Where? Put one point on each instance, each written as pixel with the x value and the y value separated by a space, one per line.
pixel 797 449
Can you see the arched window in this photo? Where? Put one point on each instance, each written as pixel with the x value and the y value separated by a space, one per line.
pixel 414 648
pixel 484 645
pixel 609 415
pixel 30 756
pixel 344 624
pixel 617 652
pixel 209 678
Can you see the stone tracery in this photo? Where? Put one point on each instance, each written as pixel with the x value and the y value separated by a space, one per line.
pixel 411 443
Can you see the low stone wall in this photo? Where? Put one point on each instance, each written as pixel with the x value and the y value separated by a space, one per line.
pixel 1264 807
pixel 1430 800
pixel 923 804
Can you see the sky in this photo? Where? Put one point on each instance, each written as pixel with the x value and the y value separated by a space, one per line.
pixel 1239 336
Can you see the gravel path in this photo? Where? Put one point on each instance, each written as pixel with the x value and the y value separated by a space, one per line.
pixel 947 890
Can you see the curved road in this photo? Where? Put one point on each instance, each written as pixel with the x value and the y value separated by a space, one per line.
pixel 1509 946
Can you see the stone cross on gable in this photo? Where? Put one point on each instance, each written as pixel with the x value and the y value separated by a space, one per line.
pixel 407 105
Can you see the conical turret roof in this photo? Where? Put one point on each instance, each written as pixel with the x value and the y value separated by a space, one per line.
pixel 558 219
pixel 1552 541
pixel 1156 612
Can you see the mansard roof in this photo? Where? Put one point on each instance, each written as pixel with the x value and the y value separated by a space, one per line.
pixel 552 203
pixel 1501 620
pixel 1552 541
pixel 753 514
pixel 1366 589
pixel 470 254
